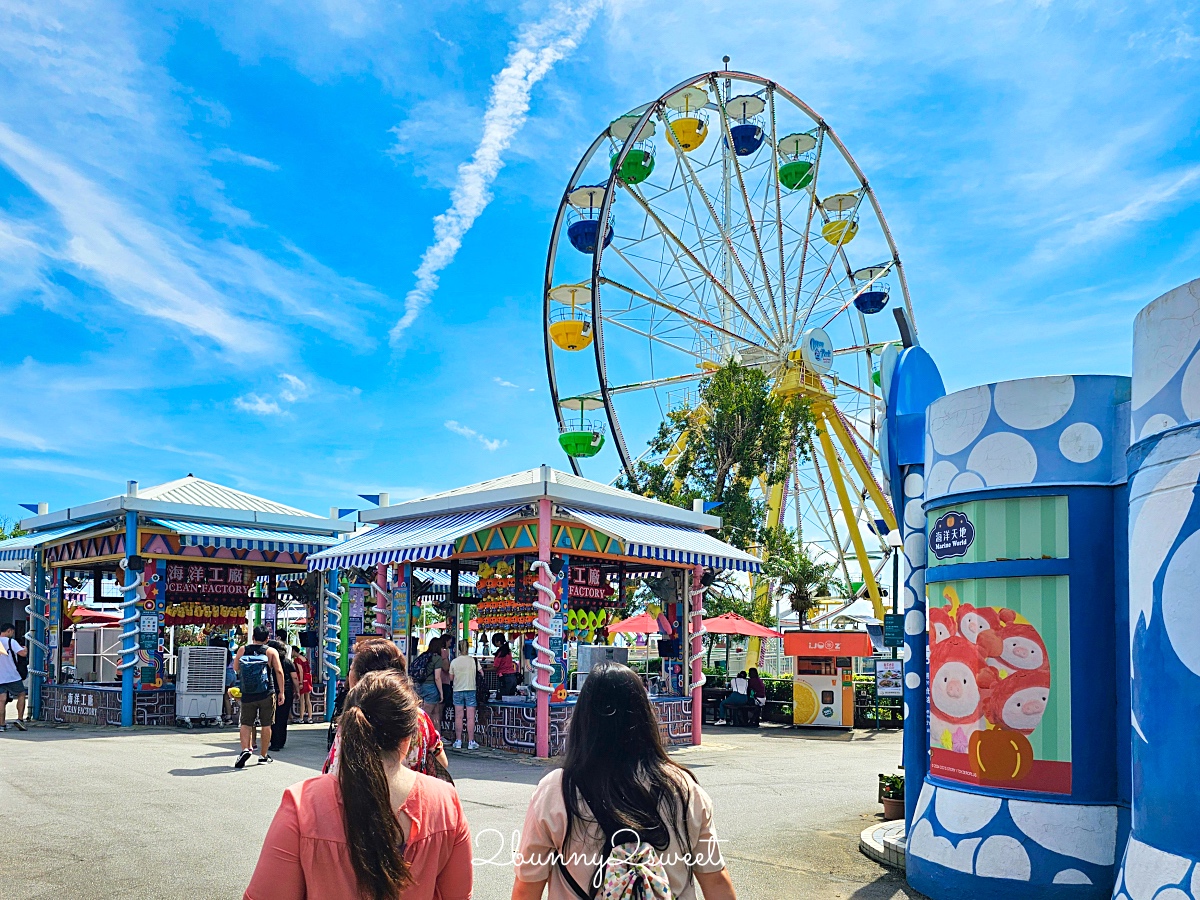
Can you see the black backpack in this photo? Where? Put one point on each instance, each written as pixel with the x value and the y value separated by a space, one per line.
pixel 421 667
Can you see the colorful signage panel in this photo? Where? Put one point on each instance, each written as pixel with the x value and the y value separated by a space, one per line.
pixel 999 529
pixel 1000 682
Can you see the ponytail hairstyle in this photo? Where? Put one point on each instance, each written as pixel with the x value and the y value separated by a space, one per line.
pixel 381 712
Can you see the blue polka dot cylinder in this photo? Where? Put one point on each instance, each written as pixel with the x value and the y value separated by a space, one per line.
pixel 1025 504
pixel 1162 856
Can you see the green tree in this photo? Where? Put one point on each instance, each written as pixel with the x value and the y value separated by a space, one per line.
pixel 796 575
pixel 739 432
pixel 9 529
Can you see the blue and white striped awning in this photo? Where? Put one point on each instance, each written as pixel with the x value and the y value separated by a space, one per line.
pixel 670 543
pixel 25 546
pixel 432 537
pixel 236 537
pixel 13 585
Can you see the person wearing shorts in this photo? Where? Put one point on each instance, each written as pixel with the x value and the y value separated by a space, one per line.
pixel 463 670
pixel 12 687
pixel 258 705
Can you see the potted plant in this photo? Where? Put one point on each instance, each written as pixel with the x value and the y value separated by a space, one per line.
pixel 891 795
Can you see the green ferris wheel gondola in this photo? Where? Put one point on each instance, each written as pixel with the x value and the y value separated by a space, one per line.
pixel 580 438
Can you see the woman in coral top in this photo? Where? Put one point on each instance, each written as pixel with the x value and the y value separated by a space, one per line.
pixel 376 829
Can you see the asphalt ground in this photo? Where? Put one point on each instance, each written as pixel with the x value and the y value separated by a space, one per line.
pixel 160 813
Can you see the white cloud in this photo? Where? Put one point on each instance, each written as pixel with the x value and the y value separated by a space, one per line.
pixel 225 154
pixel 258 405
pixel 293 388
pixel 503 383
pixel 539 47
pixel 491 445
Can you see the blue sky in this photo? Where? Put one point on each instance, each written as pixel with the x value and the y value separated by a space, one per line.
pixel 211 213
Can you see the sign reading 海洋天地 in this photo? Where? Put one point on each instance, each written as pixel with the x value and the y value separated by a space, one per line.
pixel 951 535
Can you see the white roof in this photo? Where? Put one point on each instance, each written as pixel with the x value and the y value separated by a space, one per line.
pixel 534 484
pixel 860 611
pixel 193 499
pixel 199 492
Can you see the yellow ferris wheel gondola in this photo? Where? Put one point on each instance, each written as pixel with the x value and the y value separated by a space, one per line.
pixel 571 320
pixel 843 218
pixel 687 118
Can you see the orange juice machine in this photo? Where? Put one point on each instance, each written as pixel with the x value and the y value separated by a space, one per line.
pixel 823 684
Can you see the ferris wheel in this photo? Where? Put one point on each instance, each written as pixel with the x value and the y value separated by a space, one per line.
pixel 724 220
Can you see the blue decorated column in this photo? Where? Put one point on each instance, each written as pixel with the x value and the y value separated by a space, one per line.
pixel 1162 857
pixel 1024 500
pixel 910 381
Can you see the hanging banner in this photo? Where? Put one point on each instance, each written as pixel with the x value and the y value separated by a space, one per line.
pixel 207 581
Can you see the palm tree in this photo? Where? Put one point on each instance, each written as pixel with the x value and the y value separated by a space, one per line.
pixel 798 576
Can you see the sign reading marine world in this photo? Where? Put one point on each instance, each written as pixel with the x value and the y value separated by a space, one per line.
pixel 951 535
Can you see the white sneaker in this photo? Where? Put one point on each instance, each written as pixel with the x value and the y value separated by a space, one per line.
pixel 720 722
pixel 458 745
pixel 472 746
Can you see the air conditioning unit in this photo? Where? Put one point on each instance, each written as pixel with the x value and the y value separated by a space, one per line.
pixel 200 688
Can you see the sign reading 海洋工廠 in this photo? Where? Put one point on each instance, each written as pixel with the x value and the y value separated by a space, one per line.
pixel 207 581
pixel 951 535
pixel 588 583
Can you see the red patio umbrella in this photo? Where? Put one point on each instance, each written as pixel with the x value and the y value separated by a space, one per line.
pixel 642 623
pixel 732 623
pixel 81 615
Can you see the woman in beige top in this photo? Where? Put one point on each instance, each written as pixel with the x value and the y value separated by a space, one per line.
pixel 617 787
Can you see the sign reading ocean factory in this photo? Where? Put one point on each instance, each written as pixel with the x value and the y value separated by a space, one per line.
pixel 206 581
pixel 80 705
pixel 587 583
pixel 951 535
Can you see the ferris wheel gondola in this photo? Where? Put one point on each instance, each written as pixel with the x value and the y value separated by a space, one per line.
pixel 761 244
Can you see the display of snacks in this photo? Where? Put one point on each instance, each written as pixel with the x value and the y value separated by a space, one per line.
pixel 204 614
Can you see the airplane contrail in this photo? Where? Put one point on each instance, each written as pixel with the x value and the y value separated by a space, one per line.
pixel 538 48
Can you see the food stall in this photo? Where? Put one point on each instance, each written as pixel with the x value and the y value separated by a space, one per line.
pixel 188 552
pixel 541 544
pixel 823 683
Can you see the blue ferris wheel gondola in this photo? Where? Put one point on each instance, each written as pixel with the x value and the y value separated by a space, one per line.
pixel 875 296
pixel 584 233
pixel 583 227
pixel 747 138
pixel 745 131
pixel 871 301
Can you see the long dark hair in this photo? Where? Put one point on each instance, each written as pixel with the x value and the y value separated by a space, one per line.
pixel 381 712
pixel 615 761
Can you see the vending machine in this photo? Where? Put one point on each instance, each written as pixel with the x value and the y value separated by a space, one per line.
pixel 823 684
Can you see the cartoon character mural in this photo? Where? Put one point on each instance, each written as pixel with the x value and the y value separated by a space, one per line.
pixel 990 687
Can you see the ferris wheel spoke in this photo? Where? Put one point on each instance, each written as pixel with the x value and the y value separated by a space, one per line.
pixel 728 243
pixel 687 251
pixel 663 303
pixel 834 256
pixel 737 169
pixel 774 181
pixel 806 239
pixel 669 247
pixel 653 337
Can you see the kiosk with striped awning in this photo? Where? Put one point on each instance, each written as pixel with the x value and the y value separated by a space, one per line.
pixel 546 550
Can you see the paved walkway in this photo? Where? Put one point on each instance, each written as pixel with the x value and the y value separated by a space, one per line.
pixel 93 813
